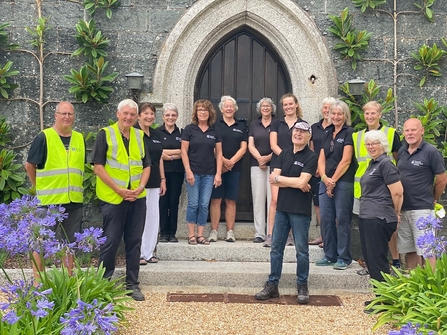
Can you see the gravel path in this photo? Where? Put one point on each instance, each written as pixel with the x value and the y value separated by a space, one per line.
pixel 157 316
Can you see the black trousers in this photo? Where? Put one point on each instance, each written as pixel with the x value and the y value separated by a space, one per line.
pixel 374 237
pixel 169 203
pixel 123 220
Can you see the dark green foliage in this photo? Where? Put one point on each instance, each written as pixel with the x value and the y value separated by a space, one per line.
pixel 92 42
pixel 368 3
pixel 93 5
pixel 427 61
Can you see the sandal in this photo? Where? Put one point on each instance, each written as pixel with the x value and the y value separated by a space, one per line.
pixel 143 261
pixel 192 240
pixel 202 240
pixel 153 259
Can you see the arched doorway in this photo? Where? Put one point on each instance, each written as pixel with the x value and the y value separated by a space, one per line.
pixel 243 64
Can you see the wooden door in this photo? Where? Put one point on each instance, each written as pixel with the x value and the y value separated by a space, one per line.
pixel 245 66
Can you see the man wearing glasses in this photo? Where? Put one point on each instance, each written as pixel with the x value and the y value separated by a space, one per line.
pixel 55 167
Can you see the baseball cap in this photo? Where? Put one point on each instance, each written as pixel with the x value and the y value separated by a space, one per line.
pixel 303 125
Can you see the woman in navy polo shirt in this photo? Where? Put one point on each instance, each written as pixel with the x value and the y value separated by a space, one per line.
pixel 337 167
pixel 174 173
pixel 234 145
pixel 202 160
pixel 281 139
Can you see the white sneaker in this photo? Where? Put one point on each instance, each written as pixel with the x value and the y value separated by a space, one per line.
pixel 230 236
pixel 213 236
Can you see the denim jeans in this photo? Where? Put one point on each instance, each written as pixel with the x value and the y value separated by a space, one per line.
pixel 300 229
pixel 199 196
pixel 335 221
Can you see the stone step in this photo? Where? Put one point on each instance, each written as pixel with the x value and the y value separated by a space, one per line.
pixel 239 251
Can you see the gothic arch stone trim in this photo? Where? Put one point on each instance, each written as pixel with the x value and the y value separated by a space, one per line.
pixel 289 29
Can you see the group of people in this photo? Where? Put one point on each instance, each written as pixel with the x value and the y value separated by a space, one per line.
pixel 140 172
pixel 388 185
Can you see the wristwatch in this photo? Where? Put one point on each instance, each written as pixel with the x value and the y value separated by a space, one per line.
pixel 276 179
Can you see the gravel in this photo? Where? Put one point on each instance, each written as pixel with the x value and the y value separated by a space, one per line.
pixel 158 316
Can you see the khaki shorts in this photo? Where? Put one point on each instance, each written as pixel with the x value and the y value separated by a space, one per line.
pixel 408 233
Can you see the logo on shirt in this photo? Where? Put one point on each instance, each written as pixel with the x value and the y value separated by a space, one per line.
pixel 212 137
pixel 340 140
pixel 372 172
pixel 417 163
pixel 178 139
pixel 156 141
pixel 237 130
pixel 298 163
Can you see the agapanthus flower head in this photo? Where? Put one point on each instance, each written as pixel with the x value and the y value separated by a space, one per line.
pixel 431 243
pixel 90 239
pixel 409 329
pixel 429 222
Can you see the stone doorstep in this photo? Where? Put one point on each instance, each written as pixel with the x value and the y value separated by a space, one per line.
pixel 239 251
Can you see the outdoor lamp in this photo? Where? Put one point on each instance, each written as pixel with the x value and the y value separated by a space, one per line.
pixel 356 86
pixel 134 84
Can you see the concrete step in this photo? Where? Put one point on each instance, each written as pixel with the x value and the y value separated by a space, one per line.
pixel 239 251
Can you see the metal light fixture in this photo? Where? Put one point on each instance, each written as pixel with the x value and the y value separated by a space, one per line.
pixel 134 84
pixel 356 86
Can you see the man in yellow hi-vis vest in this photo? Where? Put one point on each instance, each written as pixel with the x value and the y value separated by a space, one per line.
pixel 55 167
pixel 372 113
pixel 122 166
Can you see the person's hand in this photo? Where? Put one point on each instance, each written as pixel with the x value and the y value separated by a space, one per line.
pixel 227 164
pixel 163 187
pixel 263 167
pixel 272 177
pixel 306 188
pixel 190 178
pixel 217 181
pixel 263 160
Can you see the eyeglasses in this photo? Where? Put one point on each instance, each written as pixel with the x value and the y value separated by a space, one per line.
pixel 374 144
pixel 203 111
pixel 65 114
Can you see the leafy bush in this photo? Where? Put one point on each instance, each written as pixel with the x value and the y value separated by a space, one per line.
pixel 427 61
pixel 93 5
pixel 92 42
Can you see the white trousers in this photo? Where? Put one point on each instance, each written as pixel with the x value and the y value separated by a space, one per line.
pixel 152 223
pixel 260 188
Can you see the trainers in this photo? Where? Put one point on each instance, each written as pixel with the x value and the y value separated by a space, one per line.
pixel 230 236
pixel 290 241
pixel 213 236
pixel 136 294
pixel 164 238
pixel 258 239
pixel 268 241
pixel 324 262
pixel 173 239
pixel 303 294
pixel 269 291
pixel 363 272
pixel 340 265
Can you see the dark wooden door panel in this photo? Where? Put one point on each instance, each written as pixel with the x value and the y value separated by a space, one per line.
pixel 245 66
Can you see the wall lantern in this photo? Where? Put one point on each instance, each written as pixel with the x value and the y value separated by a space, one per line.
pixel 356 87
pixel 134 84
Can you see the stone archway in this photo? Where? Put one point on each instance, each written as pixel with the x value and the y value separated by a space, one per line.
pixel 289 29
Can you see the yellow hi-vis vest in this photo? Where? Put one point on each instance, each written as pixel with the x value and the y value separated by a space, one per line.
pixel 362 155
pixel 123 168
pixel 61 179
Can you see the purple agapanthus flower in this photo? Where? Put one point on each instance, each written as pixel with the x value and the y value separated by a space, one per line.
pixel 409 329
pixel 431 243
pixel 90 239
pixel 429 222
pixel 89 319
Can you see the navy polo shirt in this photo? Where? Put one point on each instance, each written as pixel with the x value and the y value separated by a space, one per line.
pixel 261 139
pixel 417 173
pixel 376 200
pixel 293 200
pixel 232 136
pixel 318 133
pixel 201 148
pixel 284 136
pixel 171 141
pixel 333 151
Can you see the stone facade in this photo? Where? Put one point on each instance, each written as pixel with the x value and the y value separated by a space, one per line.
pixel 167 40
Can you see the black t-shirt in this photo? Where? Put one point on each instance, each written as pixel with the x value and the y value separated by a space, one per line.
pixel 318 134
pixel 284 135
pixel 333 150
pixel 417 173
pixel 171 141
pixel 155 147
pixel 376 200
pixel 201 148
pixel 232 136
pixel 37 155
pixel 293 200
pixel 261 139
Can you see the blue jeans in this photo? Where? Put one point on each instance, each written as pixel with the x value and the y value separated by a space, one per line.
pixel 199 196
pixel 335 221
pixel 300 229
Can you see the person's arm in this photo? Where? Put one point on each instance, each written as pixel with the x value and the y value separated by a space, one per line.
pixel 162 178
pixel 322 166
pixel 301 182
pixel 311 145
pixel 262 160
pixel 218 155
pixel 239 154
pixel 171 154
pixel 274 143
pixel 31 172
pixel 439 185
pixel 100 171
pixel 397 191
pixel 185 159
pixel 343 166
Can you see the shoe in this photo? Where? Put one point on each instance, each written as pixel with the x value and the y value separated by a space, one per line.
pixel 290 241
pixel 164 238
pixel 317 241
pixel 213 236
pixel 143 262
pixel 340 265
pixel 202 240
pixel 303 294
pixel 230 236
pixel 136 294
pixel 173 239
pixel 153 259
pixel 363 272
pixel 192 240
pixel 269 291
pixel 268 241
pixel 324 262
pixel 367 302
pixel 258 240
